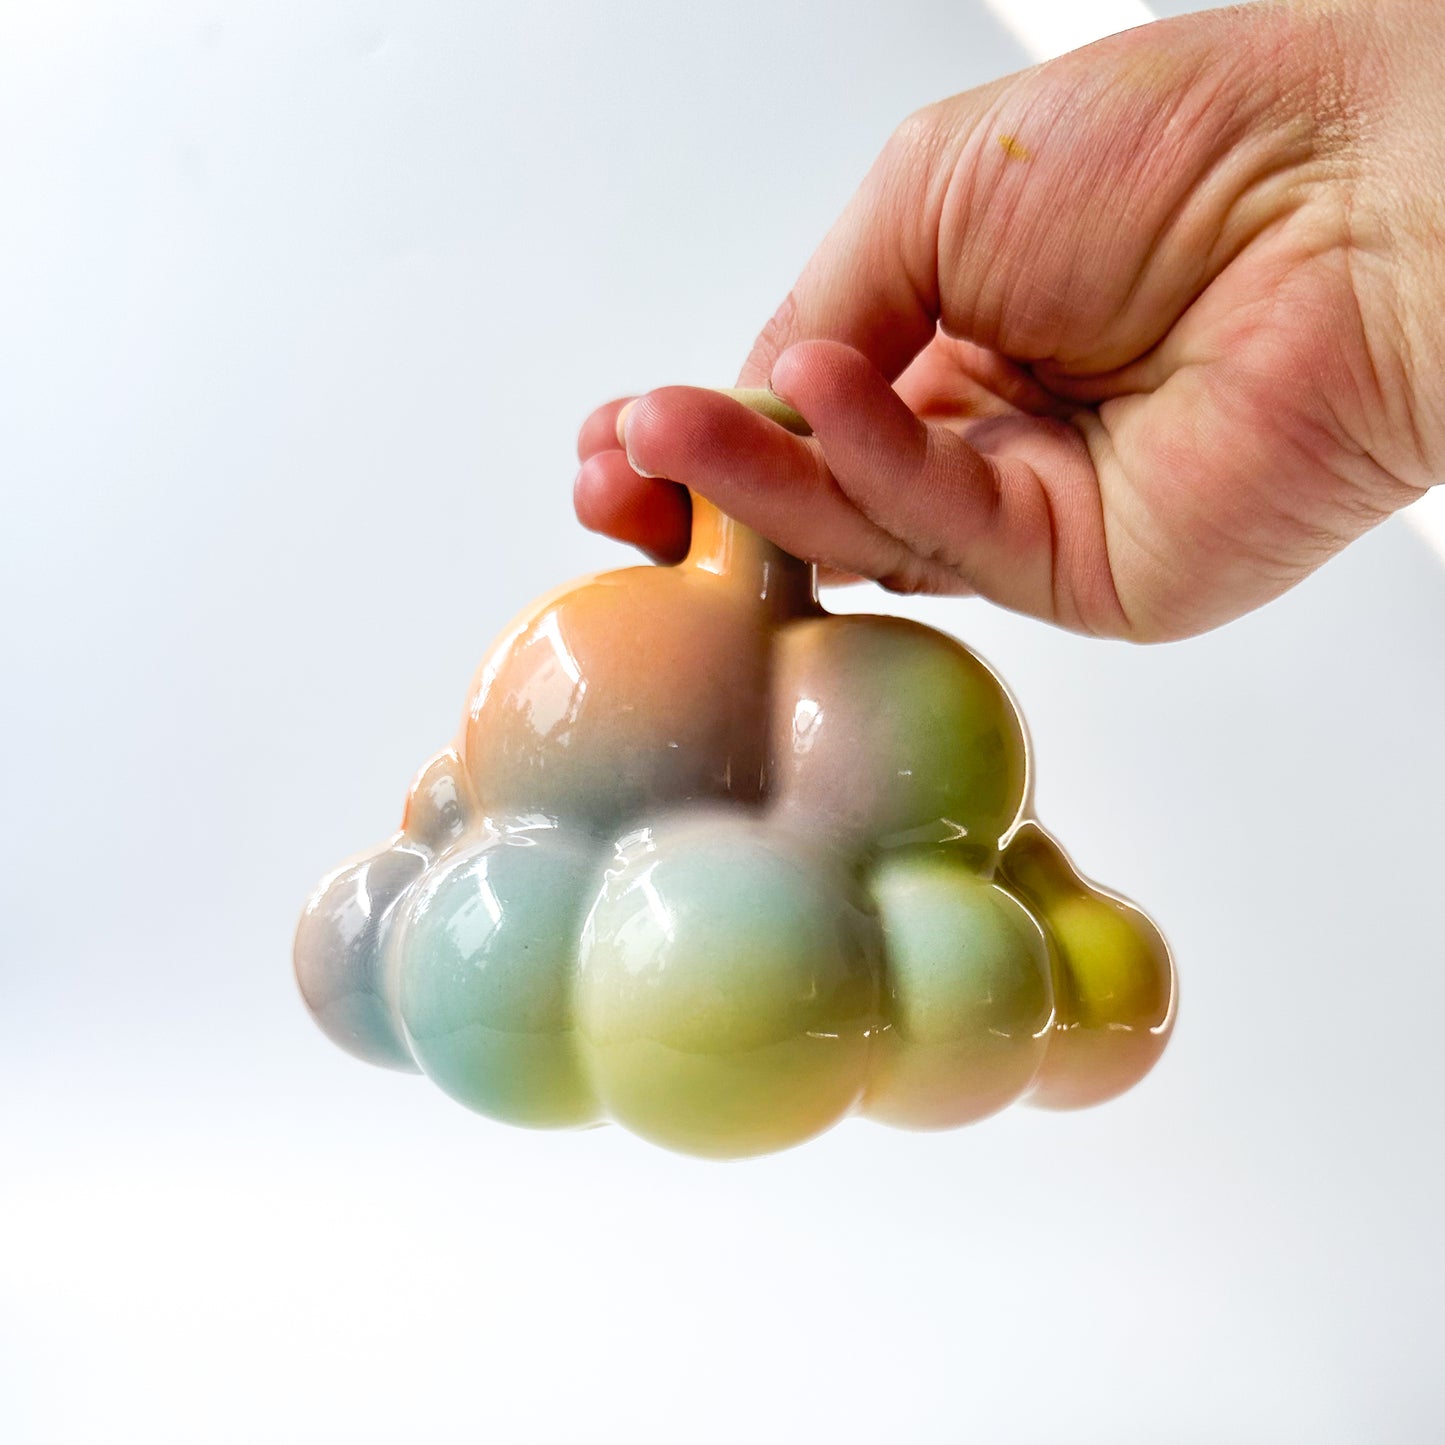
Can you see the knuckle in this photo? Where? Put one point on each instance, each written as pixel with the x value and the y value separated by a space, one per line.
pixel 912 153
pixel 917 132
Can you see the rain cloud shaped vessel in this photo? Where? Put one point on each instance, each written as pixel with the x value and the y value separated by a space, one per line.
pixel 711 863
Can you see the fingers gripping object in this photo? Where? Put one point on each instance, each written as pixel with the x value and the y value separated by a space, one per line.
pixel 711 863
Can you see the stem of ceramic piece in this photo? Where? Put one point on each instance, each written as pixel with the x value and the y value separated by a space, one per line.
pixel 726 547
pixel 762 401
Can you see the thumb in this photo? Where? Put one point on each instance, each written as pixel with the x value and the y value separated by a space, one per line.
pixel 873 282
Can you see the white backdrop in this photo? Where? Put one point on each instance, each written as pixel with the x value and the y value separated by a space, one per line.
pixel 299 309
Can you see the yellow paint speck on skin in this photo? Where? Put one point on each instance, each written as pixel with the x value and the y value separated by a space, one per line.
pixel 1012 149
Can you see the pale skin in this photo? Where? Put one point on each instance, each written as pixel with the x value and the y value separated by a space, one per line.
pixel 1131 342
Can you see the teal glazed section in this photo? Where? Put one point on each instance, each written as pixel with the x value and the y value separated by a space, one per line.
pixel 487 960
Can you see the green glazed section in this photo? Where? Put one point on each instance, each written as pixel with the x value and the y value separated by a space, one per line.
pixel 1114 982
pixel 728 989
pixel 969 995
pixel 487 966
pixel 887 731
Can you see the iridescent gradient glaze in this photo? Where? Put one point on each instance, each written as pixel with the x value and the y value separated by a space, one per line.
pixel 713 864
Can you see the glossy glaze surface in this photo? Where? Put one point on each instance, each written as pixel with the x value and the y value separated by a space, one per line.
pixel 713 864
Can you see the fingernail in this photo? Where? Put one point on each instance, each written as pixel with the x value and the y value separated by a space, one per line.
pixel 622 442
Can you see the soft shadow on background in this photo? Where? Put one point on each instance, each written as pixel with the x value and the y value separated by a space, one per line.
pixel 299 309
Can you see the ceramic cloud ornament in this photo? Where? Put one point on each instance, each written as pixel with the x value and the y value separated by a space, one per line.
pixel 711 863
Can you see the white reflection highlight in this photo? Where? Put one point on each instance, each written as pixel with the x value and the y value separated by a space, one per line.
pixel 355 913
pixel 489 900
pixel 659 910
pixel 807 717
pixel 552 631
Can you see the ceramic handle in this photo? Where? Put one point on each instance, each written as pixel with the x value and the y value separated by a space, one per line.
pixel 727 548
pixel 766 404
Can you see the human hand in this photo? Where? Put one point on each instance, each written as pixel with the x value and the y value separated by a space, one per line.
pixel 1132 341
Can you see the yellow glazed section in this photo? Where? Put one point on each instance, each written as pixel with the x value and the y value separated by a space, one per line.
pixel 713 864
